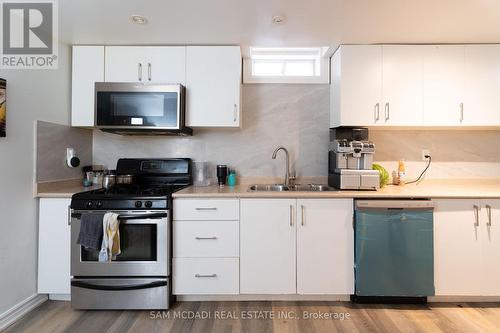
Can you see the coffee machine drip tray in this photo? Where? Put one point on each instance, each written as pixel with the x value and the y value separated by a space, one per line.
pixel 347 179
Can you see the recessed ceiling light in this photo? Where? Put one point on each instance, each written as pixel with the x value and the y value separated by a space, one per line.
pixel 279 19
pixel 139 19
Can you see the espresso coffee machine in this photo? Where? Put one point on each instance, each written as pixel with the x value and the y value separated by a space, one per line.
pixel 350 160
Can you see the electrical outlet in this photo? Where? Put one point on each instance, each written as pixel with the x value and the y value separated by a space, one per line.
pixel 425 152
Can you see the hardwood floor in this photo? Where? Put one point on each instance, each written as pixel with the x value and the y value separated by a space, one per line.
pixel 55 316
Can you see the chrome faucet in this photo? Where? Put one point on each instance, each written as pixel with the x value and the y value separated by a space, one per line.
pixel 289 180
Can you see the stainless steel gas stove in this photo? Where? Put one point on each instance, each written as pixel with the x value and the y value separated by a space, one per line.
pixel 140 277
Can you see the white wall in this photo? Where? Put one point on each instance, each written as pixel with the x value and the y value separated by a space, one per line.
pixel 31 95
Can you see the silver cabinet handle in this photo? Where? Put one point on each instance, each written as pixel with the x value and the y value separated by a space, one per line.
pixel 235 112
pixel 149 71
pixel 387 112
pixel 291 215
pixel 377 112
pixel 303 222
pixel 139 73
pixel 206 208
pixel 476 215
pixel 205 275
pixel 461 112
pixel 488 211
pixel 204 238
pixel 69 214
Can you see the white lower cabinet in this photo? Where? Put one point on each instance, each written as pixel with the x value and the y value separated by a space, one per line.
pixel 325 243
pixel 467 247
pixel 54 241
pixel 205 276
pixel 206 247
pixel 293 246
pixel 267 246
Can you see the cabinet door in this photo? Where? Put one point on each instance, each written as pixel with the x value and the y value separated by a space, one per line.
pixel 482 77
pixel 457 248
pixel 165 64
pixel 267 246
pixel 356 89
pixel 444 79
pixel 54 247
pixel 402 77
pixel 125 64
pixel 213 80
pixel 490 227
pixel 87 68
pixel 325 246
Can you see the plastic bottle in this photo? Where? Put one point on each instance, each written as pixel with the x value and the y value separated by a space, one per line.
pixel 402 172
pixel 231 178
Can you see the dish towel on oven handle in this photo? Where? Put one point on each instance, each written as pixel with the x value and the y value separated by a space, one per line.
pixel 110 246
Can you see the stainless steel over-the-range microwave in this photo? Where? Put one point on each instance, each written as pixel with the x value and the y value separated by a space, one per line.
pixel 136 108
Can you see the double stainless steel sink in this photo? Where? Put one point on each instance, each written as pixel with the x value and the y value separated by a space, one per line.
pixel 294 188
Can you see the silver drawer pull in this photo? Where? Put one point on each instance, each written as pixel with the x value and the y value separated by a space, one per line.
pixel 203 238
pixel 488 211
pixel 206 208
pixel 205 275
pixel 476 215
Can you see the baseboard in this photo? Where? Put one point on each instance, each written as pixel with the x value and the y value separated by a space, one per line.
pixel 60 297
pixel 221 298
pixel 10 316
pixel 460 299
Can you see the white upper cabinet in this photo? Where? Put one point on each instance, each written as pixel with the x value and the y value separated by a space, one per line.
pixel 444 80
pixel 415 85
pixel 482 79
pixel 402 77
pixel 356 88
pixel 87 68
pixel 155 64
pixel 325 246
pixel 213 82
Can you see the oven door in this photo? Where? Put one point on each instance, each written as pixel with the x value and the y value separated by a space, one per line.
pixel 133 106
pixel 144 243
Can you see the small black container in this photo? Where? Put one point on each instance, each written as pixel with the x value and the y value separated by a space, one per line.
pixel 222 174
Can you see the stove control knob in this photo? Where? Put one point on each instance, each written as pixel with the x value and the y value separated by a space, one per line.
pixel 138 204
pixel 148 204
pixel 99 204
pixel 89 204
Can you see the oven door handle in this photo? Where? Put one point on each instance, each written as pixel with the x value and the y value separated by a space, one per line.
pixel 85 285
pixel 143 216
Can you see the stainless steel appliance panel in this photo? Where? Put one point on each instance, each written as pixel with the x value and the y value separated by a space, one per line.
pixel 122 294
pixel 157 267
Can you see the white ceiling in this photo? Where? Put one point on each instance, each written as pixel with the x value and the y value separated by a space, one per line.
pixel 310 22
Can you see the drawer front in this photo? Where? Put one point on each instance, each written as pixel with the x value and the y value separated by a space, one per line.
pixel 206 209
pixel 206 239
pixel 206 276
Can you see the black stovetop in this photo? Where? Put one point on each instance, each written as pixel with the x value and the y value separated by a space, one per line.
pixel 156 180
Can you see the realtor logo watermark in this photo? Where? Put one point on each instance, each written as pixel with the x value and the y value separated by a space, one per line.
pixel 29 34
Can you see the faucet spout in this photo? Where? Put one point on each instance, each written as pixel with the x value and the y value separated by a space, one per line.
pixel 287 166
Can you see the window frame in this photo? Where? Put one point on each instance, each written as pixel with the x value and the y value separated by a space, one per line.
pixel 322 78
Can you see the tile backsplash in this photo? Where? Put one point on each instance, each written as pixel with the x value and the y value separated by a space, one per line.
pixel 297 117
pixel 292 116
pixel 51 143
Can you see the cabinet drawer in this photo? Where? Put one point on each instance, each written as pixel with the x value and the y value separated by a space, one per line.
pixel 206 209
pixel 206 239
pixel 205 276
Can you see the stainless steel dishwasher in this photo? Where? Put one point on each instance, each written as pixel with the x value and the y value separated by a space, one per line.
pixel 394 254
